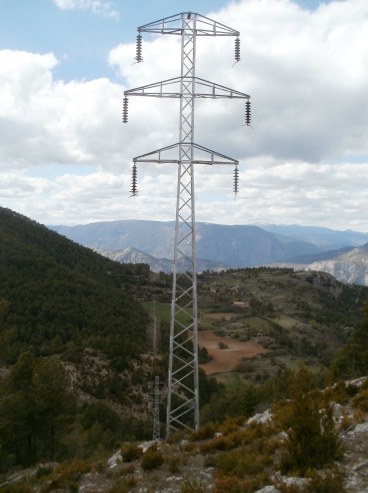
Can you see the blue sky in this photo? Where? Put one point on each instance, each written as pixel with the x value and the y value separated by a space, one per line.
pixel 65 157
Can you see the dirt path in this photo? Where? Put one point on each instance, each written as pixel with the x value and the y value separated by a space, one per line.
pixel 226 359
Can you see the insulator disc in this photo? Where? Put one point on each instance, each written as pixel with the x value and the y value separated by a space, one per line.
pixel 247 113
pixel 134 190
pixel 236 180
pixel 237 50
pixel 138 50
pixel 125 110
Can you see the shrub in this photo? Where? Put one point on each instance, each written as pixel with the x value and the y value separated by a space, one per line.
pixel 16 488
pixel 228 484
pixel 312 441
pixel 221 443
pixel 361 400
pixel 342 392
pixel 192 487
pixel 173 461
pixel 152 459
pixel 131 452
pixel 231 424
pixel 66 475
pixel 232 484
pixel 289 488
pixel 241 463
pixel 43 471
pixel 327 482
pixel 176 437
pixel 128 469
pixel 123 486
pixel 204 432
pixel 256 482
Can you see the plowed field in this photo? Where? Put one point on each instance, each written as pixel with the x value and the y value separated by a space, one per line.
pixel 224 360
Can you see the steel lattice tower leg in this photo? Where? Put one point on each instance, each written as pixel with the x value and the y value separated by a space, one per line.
pixel 183 388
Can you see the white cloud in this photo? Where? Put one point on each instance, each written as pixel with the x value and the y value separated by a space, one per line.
pixel 98 7
pixel 270 191
pixel 45 121
pixel 305 161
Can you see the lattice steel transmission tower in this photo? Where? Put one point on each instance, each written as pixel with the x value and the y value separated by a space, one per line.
pixel 183 389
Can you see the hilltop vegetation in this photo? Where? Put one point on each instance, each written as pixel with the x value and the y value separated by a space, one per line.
pixel 55 295
pixel 69 335
pixel 307 442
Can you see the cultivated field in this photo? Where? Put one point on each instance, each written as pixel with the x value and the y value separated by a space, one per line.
pixel 226 359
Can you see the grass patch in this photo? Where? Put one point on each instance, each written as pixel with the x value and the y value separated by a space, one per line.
pixel 285 321
pixel 293 363
pixel 257 323
pixel 163 312
pixel 231 380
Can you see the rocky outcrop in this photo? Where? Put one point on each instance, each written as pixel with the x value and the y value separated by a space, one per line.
pixel 351 267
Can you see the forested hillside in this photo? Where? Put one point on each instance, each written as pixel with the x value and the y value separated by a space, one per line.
pixel 70 334
pixel 54 292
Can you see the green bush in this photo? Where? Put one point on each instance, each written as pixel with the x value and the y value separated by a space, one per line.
pixel 123 486
pixel 327 482
pixel 193 486
pixel 152 459
pixel 67 474
pixel 16 488
pixel 128 469
pixel 174 462
pixel 241 463
pixel 361 400
pixel 288 488
pixel 228 484
pixel 131 452
pixel 312 439
pixel 205 431
pixel 232 484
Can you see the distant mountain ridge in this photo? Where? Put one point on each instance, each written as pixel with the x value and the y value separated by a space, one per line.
pixel 134 256
pixel 324 238
pixel 223 246
pixel 350 267
pixel 234 246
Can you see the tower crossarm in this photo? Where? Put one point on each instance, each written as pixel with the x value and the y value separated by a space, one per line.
pixel 174 25
pixel 202 89
pixel 163 155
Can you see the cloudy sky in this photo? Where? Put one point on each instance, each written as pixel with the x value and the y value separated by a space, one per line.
pixel 65 156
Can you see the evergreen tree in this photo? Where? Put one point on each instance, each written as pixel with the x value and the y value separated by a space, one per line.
pixel 352 361
pixel 36 401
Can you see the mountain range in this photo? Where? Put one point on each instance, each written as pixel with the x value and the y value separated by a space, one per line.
pixel 341 253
